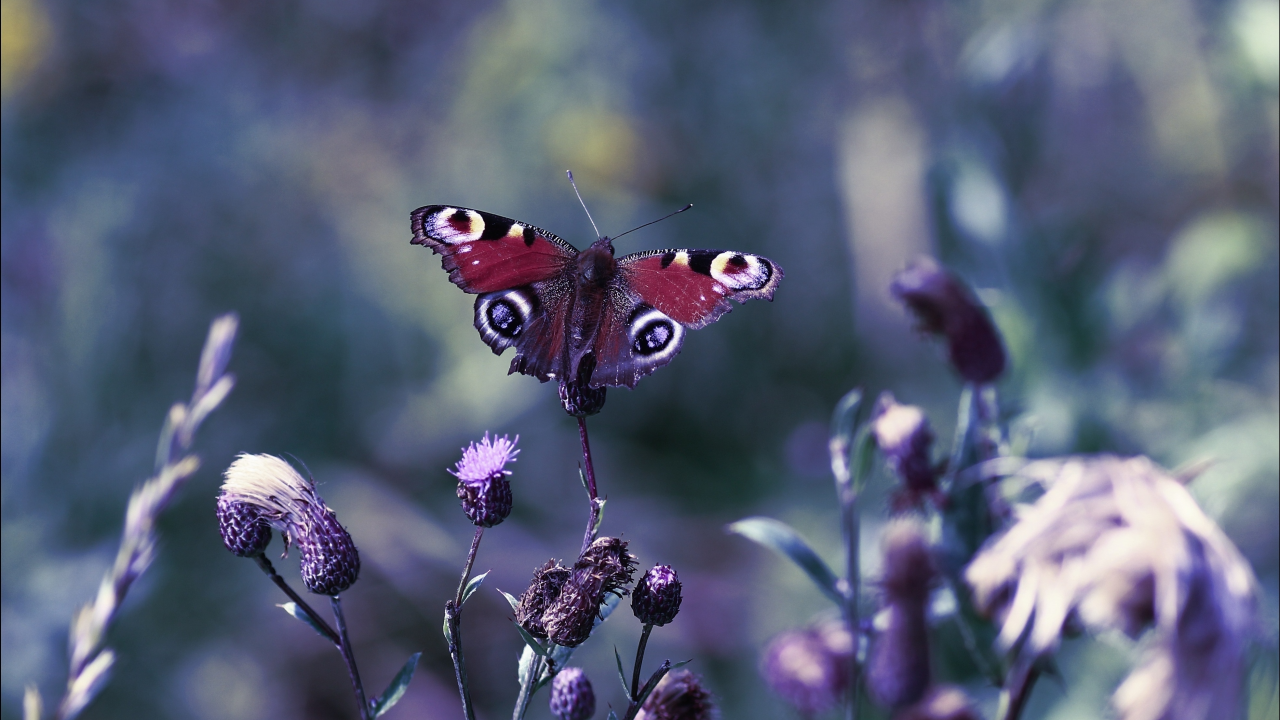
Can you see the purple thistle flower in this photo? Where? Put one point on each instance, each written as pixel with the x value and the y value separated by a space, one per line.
pixel 571 695
pixel 483 487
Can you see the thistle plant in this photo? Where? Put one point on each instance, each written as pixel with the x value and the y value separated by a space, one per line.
pixel 91 661
pixel 1109 544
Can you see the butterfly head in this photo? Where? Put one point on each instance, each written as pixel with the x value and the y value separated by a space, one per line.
pixel 596 265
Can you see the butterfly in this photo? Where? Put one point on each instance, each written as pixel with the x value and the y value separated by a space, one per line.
pixel 585 315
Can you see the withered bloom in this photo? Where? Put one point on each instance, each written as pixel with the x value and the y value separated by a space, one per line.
pixel 945 306
pixel 656 598
pixel 243 529
pixel 679 696
pixel 898 672
pixel 289 502
pixel 483 487
pixel 606 567
pixel 571 695
pixel 903 434
pixel 810 668
pixel 543 590
pixel 1120 544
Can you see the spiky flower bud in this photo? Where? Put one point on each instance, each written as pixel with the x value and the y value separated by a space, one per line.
pixel 605 567
pixel 898 671
pixel 483 487
pixel 543 590
pixel 903 434
pixel 290 504
pixel 810 668
pixel 571 695
pixel 656 598
pixel 945 306
pixel 678 696
pixel 577 397
pixel 244 531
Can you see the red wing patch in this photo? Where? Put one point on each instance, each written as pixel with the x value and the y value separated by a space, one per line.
pixel 484 252
pixel 694 287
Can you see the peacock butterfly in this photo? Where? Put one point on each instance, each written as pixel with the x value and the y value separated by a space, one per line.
pixel 572 314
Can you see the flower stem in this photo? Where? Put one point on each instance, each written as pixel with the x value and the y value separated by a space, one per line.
pixel 527 687
pixel 594 519
pixel 349 657
pixel 267 568
pixel 633 707
pixel 1018 689
pixel 453 618
pixel 849 525
pixel 635 674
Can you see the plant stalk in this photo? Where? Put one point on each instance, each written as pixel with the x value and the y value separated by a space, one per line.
pixel 267 568
pixel 590 535
pixel 349 657
pixel 453 617
pixel 635 673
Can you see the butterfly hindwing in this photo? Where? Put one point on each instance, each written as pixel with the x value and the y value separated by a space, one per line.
pixel 487 253
pixel 634 340
pixel 694 287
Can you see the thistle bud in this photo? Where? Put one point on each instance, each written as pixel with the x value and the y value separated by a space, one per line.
pixel 483 487
pixel 945 306
pixel 810 668
pixel 571 695
pixel 898 672
pixel 678 696
pixel 577 397
pixel 656 598
pixel 289 502
pixel 543 590
pixel 244 531
pixel 903 434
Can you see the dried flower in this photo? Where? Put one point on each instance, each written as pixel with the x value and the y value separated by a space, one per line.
pixel 543 590
pixel 244 531
pixel 656 598
pixel 898 667
pixel 605 567
pixel 678 696
pixel 289 502
pixel 1121 544
pixel 577 397
pixel 609 559
pixel 944 305
pixel 483 487
pixel 903 434
pixel 571 695
pixel 810 668
pixel 943 702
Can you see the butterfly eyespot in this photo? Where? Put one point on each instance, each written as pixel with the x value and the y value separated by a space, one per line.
pixel 653 334
pixel 502 317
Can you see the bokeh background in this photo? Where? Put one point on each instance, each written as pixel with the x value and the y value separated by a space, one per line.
pixel 1104 171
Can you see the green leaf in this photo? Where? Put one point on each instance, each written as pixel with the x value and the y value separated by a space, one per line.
pixel 299 613
pixel 864 453
pixel 511 600
pixel 448 636
pixel 531 641
pixel 613 715
pixel 780 537
pixel 622 674
pixel 399 684
pixel 472 585
pixel 844 417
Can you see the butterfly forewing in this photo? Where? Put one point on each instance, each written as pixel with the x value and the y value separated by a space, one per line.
pixel 486 253
pixel 694 287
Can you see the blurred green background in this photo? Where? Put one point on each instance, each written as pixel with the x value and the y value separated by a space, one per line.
pixel 1105 171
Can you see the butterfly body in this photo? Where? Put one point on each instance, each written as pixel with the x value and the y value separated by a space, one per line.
pixel 588 315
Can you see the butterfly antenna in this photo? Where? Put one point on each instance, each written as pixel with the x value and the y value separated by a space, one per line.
pixel 584 205
pixel 664 217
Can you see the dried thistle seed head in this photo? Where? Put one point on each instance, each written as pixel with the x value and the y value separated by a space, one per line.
pixel 943 702
pixel 289 502
pixel 903 434
pixel 944 305
pixel 898 672
pixel 571 617
pixel 656 598
pixel 577 397
pixel 608 559
pixel 571 695
pixel 1121 544
pixel 809 668
pixel 543 590
pixel 244 531
pixel 483 487
pixel 679 696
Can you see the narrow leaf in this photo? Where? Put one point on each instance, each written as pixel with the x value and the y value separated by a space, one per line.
pixel 844 416
pixel 448 636
pixel 511 600
pixel 473 585
pixel 531 641
pixel 399 684
pixel 299 613
pixel 622 674
pixel 613 715
pixel 780 537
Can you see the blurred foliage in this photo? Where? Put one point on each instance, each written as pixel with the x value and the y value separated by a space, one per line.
pixel 1105 171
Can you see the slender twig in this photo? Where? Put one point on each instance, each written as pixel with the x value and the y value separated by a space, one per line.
pixel 1018 689
pixel 319 622
pixel 850 528
pixel 594 519
pixel 349 657
pixel 453 617
pixel 635 674
pixel 527 689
